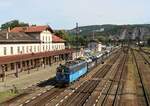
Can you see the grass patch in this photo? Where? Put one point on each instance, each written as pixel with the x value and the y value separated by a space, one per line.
pixel 6 95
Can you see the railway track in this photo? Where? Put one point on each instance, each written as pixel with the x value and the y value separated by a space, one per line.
pixel 101 92
pixel 47 96
pixel 146 52
pixel 142 53
pixel 30 92
pixel 112 95
pixel 140 74
pixel 83 94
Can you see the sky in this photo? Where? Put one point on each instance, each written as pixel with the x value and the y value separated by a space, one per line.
pixel 63 14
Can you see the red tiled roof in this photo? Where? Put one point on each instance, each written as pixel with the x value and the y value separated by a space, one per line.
pixel 57 39
pixel 23 57
pixel 31 29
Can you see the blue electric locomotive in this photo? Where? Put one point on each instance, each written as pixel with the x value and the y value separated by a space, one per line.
pixel 70 72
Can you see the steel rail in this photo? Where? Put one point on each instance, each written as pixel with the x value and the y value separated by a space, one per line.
pixel 141 80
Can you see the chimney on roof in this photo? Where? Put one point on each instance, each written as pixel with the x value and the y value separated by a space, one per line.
pixel 8 29
pixel 7 34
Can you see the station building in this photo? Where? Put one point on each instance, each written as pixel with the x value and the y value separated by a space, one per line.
pixel 25 48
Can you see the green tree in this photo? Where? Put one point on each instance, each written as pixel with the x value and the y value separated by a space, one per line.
pixel 62 34
pixel 100 38
pixel 12 24
pixel 71 39
pixel 81 40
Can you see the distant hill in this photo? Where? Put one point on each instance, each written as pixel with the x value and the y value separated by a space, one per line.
pixel 141 31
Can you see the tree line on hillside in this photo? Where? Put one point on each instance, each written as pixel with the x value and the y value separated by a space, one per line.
pixel 71 38
pixel 79 40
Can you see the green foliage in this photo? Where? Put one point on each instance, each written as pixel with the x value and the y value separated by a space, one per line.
pixel 71 39
pixel 63 34
pixel 101 38
pixel 12 24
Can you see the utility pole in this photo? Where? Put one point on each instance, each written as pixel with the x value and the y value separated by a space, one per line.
pixel 139 34
pixel 93 35
pixel 77 29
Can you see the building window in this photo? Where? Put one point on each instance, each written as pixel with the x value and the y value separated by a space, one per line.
pixel 12 66
pixel 46 47
pixel 11 50
pixel 23 64
pixel 22 49
pixel 49 38
pixel 19 65
pixel 43 38
pixel 30 48
pixel 46 38
pixel 5 67
pixel 5 51
pixel 18 49
pixel 34 48
pixel 43 48
pixel 27 49
pixel 38 48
